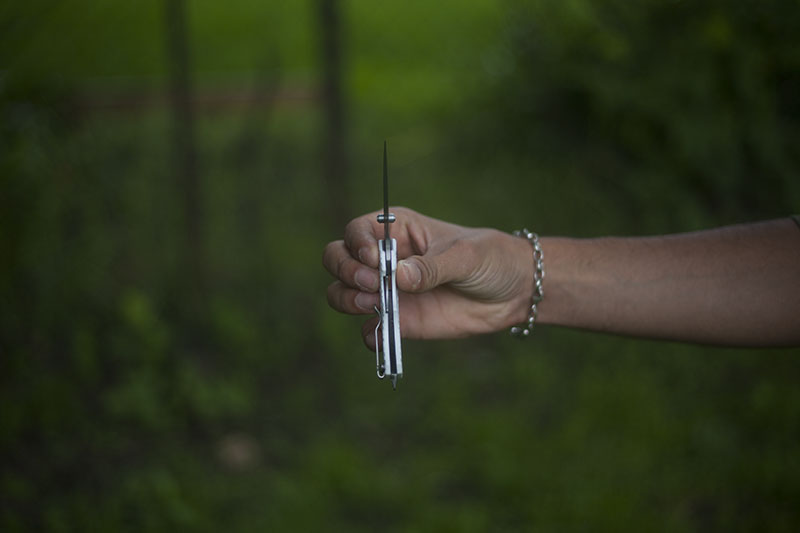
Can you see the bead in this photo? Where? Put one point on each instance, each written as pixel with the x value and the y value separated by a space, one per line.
pixel 524 330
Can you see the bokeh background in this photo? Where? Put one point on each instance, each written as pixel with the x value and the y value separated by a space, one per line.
pixel 170 171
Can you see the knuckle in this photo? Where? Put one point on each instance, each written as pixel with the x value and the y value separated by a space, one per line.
pixel 368 333
pixel 465 254
pixel 347 272
pixel 350 228
pixel 355 228
pixel 463 246
pixel 359 232
pixel 330 255
pixel 430 276
pixel 339 299
pixel 341 265
pixel 347 301
pixel 368 342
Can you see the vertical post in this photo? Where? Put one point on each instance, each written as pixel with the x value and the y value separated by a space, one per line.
pixel 334 158
pixel 183 142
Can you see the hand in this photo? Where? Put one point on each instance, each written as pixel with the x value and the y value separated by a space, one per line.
pixel 453 281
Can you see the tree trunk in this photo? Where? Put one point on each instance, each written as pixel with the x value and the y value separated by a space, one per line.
pixel 184 151
pixel 334 155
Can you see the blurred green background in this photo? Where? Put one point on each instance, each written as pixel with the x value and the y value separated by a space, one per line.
pixel 170 173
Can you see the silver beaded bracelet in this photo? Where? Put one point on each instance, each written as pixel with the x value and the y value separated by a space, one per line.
pixel 524 329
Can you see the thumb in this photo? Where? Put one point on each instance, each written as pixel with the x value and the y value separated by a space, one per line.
pixel 409 275
pixel 420 273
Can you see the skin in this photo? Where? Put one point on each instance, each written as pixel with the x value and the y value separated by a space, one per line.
pixel 735 286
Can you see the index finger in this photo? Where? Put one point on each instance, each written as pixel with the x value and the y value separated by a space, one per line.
pixel 360 237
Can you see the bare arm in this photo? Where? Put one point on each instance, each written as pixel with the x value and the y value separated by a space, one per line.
pixel 738 285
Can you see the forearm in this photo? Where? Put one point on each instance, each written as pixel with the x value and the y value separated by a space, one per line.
pixel 738 285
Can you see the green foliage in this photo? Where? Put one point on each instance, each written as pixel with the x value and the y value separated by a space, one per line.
pixel 679 115
pixel 132 400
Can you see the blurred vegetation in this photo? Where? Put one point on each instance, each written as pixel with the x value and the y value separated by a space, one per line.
pixel 132 399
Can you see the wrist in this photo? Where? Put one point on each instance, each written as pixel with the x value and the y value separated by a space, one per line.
pixel 520 307
pixel 563 276
pixel 523 329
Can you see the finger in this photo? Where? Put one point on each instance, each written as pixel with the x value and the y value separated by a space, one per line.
pixel 361 239
pixel 351 301
pixel 338 261
pixel 368 333
pixel 420 273
pixel 411 230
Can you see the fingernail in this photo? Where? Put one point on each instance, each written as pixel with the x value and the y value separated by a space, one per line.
pixel 368 255
pixel 413 273
pixel 367 280
pixel 366 300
